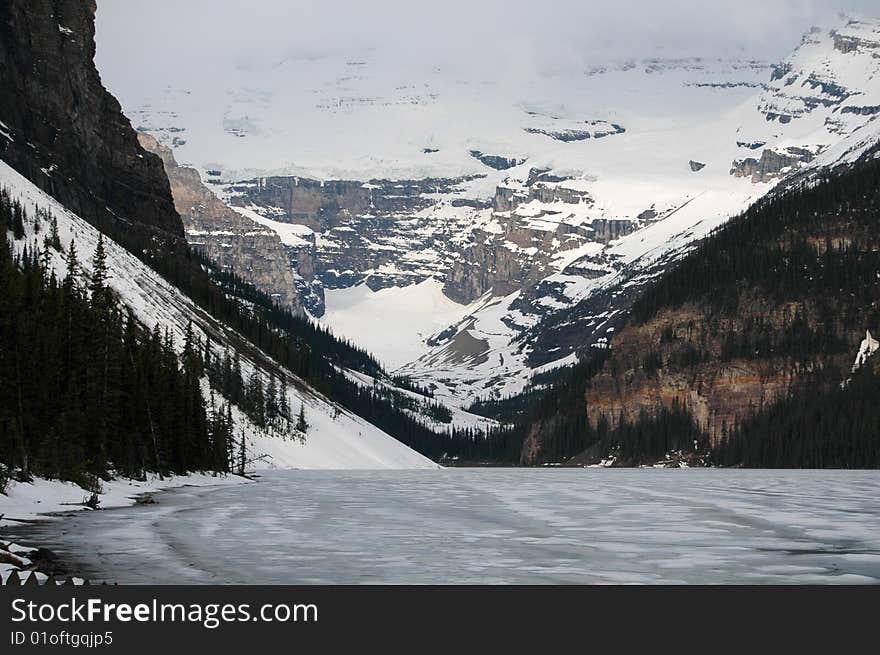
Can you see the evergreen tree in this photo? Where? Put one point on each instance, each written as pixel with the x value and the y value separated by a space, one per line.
pixel 86 389
pixel 54 239
pixel 72 267
pixel 302 425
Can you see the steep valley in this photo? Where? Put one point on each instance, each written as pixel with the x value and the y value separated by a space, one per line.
pixel 545 220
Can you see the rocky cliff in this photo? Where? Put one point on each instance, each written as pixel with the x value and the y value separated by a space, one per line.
pixel 395 232
pixel 674 357
pixel 54 110
pixel 350 232
pixel 234 242
pixel 772 165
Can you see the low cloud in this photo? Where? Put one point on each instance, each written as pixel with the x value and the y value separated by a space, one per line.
pixel 139 40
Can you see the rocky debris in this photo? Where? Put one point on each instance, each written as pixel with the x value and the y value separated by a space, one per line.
pixel 235 242
pixel 32 578
pixel 46 561
pixel 696 166
pixel 7 557
pixel 595 457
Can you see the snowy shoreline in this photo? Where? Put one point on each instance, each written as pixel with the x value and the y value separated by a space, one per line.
pixel 42 501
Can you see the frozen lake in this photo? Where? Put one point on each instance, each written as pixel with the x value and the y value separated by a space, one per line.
pixel 491 526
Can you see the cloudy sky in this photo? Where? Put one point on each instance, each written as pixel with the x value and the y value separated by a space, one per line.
pixel 494 33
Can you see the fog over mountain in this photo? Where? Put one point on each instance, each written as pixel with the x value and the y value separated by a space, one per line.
pixel 197 39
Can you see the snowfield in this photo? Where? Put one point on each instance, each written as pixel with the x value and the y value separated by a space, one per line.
pixel 392 323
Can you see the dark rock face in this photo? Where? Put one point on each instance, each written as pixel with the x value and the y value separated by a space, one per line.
pixel 780 71
pixel 67 134
pixel 847 44
pixel 696 166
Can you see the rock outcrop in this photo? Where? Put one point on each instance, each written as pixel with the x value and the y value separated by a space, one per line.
pixel 772 165
pixel 53 109
pixel 498 162
pixel 818 76
pixel 236 243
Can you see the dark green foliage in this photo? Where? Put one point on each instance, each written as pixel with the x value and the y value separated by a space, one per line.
pixel 558 414
pixel 316 356
pixel 302 425
pixel 812 243
pixel 86 391
pixel 509 409
pixel 13 214
pixel 835 429
pixel 403 382
pixel 439 413
pixel 308 350
pixel 303 346
pixel 651 438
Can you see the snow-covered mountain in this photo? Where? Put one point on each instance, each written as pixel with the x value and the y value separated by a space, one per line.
pixel 337 439
pixel 537 203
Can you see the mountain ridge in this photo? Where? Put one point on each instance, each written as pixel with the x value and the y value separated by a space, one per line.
pixel 570 222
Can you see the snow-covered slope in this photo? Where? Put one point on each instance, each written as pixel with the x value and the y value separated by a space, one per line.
pixel 336 438
pixel 391 323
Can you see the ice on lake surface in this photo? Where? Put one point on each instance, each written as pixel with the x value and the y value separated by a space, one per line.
pixel 468 526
